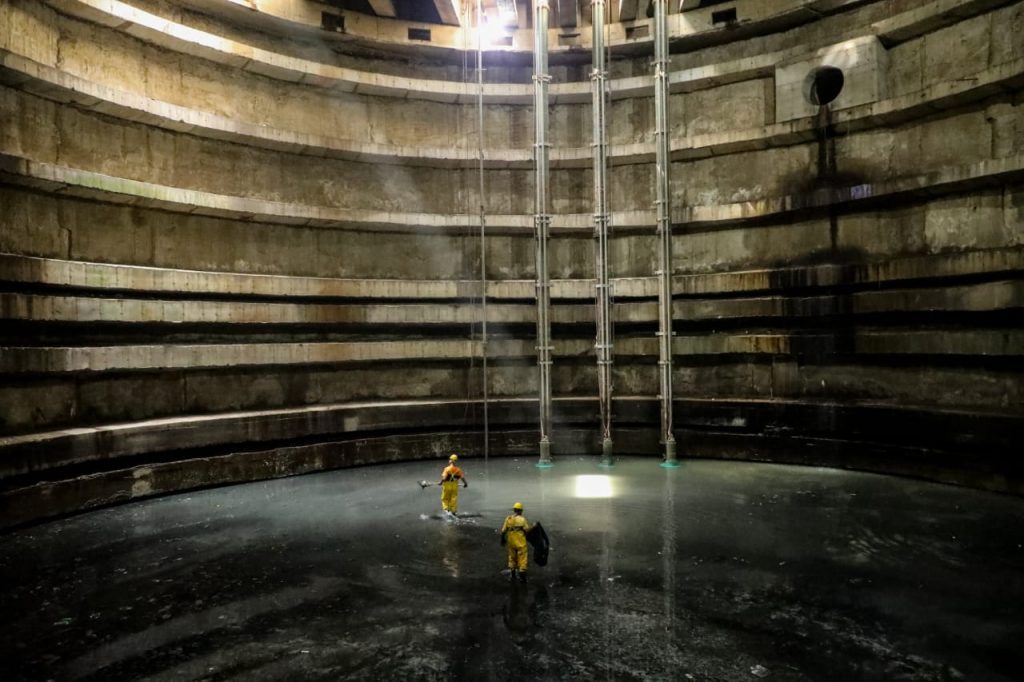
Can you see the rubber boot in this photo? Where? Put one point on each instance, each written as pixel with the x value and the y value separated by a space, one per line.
pixel 522 576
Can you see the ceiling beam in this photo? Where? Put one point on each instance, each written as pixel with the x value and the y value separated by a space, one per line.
pixel 628 9
pixel 508 13
pixel 566 14
pixel 447 10
pixel 383 8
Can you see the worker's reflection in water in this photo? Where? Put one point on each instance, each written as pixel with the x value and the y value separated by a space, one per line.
pixel 524 610
pixel 451 553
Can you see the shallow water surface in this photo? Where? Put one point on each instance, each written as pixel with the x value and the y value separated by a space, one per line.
pixel 713 571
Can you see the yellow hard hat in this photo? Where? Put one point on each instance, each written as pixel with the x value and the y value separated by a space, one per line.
pixel 453 458
pixel 518 506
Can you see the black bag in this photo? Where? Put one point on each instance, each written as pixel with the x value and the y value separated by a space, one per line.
pixel 538 539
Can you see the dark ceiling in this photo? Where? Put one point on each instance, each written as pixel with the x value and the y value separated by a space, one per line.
pixel 409 10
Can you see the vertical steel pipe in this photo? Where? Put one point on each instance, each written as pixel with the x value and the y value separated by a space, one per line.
pixel 664 213
pixel 542 220
pixel 599 143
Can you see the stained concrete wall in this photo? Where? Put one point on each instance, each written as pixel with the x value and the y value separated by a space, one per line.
pixel 220 237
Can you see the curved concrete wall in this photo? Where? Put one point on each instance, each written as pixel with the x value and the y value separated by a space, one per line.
pixel 224 260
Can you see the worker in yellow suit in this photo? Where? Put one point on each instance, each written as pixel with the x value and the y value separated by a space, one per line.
pixel 449 483
pixel 513 536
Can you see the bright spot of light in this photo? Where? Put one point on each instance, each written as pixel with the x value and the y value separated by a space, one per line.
pixel 594 486
pixel 493 33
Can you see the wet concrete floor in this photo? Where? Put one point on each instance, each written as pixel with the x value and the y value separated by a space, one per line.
pixel 713 571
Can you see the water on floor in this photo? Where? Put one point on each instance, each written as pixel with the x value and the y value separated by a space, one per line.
pixel 713 571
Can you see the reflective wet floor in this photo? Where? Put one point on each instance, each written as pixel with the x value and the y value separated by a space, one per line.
pixel 713 571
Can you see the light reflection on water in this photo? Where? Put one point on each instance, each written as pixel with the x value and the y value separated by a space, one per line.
pixel 710 570
pixel 594 486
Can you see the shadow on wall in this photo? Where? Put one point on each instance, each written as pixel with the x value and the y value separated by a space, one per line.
pixel 825 325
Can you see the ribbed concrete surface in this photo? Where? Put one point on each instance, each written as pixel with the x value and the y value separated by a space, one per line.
pixel 231 252
pixel 88 184
pixel 59 86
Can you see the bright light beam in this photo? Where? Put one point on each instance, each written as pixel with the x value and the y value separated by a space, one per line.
pixel 493 33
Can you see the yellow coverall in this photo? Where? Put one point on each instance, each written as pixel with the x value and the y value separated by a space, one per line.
pixel 515 528
pixel 450 478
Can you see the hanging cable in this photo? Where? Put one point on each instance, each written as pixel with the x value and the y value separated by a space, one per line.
pixel 483 217
pixel 469 413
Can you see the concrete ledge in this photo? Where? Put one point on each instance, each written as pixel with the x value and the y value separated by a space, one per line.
pixel 869 421
pixel 53 498
pixel 61 87
pixel 184 39
pixel 40 451
pixel 97 186
pixel 105 277
pixel 913 269
pixel 58 86
pixel 35 502
pixel 164 357
pixel 1003 78
pixel 40 307
pixel 931 17
pixel 929 445
pixel 995 474
pixel 33 403
pixel 988 296
pixel 133 278
pixel 858 341
pixel 82 183
pixel 987 173
pixel 180 38
pixel 696 30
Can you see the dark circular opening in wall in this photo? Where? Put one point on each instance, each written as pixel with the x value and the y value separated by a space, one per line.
pixel 823 84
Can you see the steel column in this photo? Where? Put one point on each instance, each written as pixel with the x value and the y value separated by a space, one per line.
pixel 542 220
pixel 603 316
pixel 664 212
